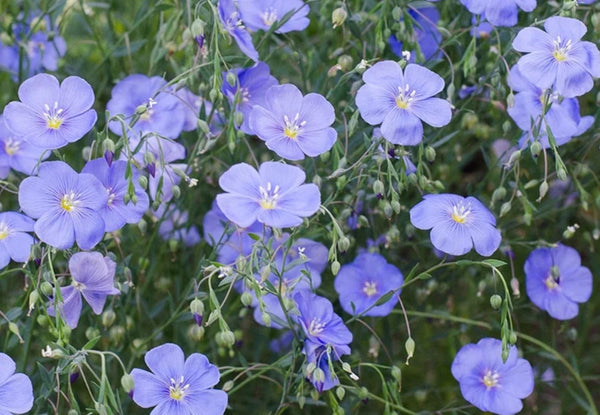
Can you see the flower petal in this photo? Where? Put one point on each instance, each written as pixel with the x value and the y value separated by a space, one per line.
pixel 241 179
pixel 55 228
pixel 374 102
pixel 166 361
pixel 88 227
pixel 213 402
pixel 402 127
pixel 565 27
pixel 76 96
pixel 451 237
pixel 239 209
pixel 38 91
pixel 423 81
pixel 148 390
pixel 16 394
pixel 433 111
pixel 486 238
pixel 532 39
pixel 200 373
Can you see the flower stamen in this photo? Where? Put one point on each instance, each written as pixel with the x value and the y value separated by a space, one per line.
pixel 460 212
pixel 177 389
pixel 405 97
pixel 68 201
pixel 490 379
pixel 292 127
pixel 268 196
pixel 53 116
pixel 370 288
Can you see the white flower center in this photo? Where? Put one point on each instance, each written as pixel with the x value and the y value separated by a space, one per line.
pixel 12 146
pixel 269 16
pixel 4 231
pixel 69 201
pixel 561 49
pixel 78 286
pixel 111 196
pixel 178 389
pixel 53 116
pixel 405 96
pixel 268 196
pixel 316 327
pixel 292 127
pixel 490 379
pixel 460 212
pixel 244 94
pixel 370 288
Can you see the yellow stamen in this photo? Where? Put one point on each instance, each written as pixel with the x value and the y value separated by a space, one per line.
pixel 370 288
pixel 54 123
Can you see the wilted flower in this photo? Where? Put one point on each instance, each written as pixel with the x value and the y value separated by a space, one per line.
pixel 556 281
pixel 399 101
pixel 293 125
pixel 558 57
pixel 116 213
pixel 487 382
pixel 178 386
pixel 16 391
pixel 275 195
pixel 51 115
pixel 457 224
pixel 15 242
pixel 363 282
pixel 66 205
pixel 93 278
pixel 262 14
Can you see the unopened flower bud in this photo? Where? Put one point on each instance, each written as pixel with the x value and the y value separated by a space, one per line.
pixel 343 244
pixel 108 318
pixel 335 267
pixel 396 373
pixel 409 345
pixel 340 392
pixel 535 148
pixel 430 154
pixel 127 382
pixel 338 17
pixel 196 332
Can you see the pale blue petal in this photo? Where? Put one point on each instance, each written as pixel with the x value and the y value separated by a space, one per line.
pixel 423 81
pixel 239 209
pixel 16 394
pixel 375 102
pixel 486 238
pixel 451 237
pixel 210 402
pixel 565 27
pixel 242 179
pixel 148 389
pixel 166 361
pixel 532 39
pixel 402 127
pixel 56 229
pixel 433 111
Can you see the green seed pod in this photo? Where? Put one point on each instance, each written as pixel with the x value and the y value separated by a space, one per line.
pixel 496 301
pixel 335 268
pixel 430 154
pixel 197 307
pixel 378 187
pixel 338 17
pixel 196 332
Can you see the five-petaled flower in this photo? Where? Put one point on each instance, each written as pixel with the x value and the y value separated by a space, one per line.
pixel 16 391
pixel 52 115
pixel 66 205
pixel 293 125
pixel 457 224
pixel 233 24
pixel 489 383
pixel 275 195
pixel 556 281
pixel 93 278
pixel 178 386
pixel 399 101
pixel 363 282
pixel 558 57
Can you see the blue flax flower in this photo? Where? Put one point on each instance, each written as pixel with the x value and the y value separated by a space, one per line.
pixel 15 242
pixel 363 282
pixel 249 90
pixel 176 385
pixel 321 358
pixel 499 13
pixel 176 225
pixel 399 101
pixel 293 125
pixel 66 205
pixel 275 195
pixel 18 154
pixel 425 32
pixel 232 22
pixel 93 278
pixel 556 281
pixel 262 14
pixel 490 384
pixel 116 213
pixel 16 391
pixel 165 114
pixel 457 224
pixel 530 109
pixel 51 115
pixel 558 57
pixel 322 327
